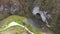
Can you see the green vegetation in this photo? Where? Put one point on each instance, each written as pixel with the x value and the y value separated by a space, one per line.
pixel 25 9
pixel 34 30
pixel 18 29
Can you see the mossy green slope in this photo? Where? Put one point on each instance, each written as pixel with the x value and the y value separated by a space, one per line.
pixel 19 20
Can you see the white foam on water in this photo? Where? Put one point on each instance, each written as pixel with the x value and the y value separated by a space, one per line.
pixel 43 14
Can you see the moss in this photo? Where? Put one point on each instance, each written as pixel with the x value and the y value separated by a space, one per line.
pixel 19 20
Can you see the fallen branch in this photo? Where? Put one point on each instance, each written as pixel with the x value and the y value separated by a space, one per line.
pixel 14 23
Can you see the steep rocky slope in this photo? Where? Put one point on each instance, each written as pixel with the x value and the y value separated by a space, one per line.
pixel 24 8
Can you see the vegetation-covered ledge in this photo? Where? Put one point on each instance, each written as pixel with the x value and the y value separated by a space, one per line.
pixel 20 20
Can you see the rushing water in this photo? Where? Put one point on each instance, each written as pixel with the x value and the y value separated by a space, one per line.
pixel 37 24
pixel 43 15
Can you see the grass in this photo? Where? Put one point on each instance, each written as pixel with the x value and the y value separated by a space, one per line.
pixel 36 31
pixel 19 20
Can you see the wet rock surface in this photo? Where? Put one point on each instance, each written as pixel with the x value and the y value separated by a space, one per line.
pixel 25 7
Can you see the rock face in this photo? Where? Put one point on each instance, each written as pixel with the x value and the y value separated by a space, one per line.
pixel 11 7
pixel 24 8
pixel 15 7
pixel 8 8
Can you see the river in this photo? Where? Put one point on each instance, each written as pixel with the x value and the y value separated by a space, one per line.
pixel 37 24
